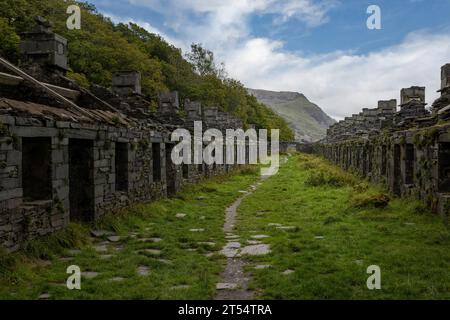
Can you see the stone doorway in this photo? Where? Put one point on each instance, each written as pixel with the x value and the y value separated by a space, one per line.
pixel 397 170
pixel 444 167
pixel 171 172
pixel 81 177
pixel 156 160
pixel 409 163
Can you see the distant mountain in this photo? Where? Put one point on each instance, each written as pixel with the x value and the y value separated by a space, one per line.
pixel 307 120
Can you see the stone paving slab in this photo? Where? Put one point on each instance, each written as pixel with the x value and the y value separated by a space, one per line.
pixel 143 270
pixel 288 272
pixel 226 286
pixel 181 287
pixel 262 266
pixel 114 238
pixel 89 274
pixel 256 250
pixel 260 236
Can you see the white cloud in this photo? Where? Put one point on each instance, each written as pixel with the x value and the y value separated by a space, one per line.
pixel 342 83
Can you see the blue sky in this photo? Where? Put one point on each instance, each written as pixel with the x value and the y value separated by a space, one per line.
pixel 321 48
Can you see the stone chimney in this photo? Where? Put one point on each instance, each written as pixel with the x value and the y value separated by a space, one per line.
pixel 168 102
pixel 387 106
pixel 43 46
pixel 210 115
pixel 193 110
pixel 412 94
pixel 445 77
pixel 125 83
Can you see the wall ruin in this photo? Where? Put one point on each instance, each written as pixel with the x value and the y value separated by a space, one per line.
pixel 407 150
pixel 97 153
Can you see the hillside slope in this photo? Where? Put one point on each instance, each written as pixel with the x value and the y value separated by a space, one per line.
pixel 307 120
pixel 101 48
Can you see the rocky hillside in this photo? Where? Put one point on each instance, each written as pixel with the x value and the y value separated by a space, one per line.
pixel 307 120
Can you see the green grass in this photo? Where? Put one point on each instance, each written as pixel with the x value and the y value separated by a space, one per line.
pixel 361 226
pixel 24 275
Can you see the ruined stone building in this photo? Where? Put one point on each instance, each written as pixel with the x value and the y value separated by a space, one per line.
pixel 71 154
pixel 408 149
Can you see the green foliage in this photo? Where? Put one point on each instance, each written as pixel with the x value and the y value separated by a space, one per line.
pixel 370 200
pixel 144 144
pixel 321 173
pixel 8 263
pixel 248 170
pixel 101 48
pixel 333 177
pixel 9 40
pixel 73 236
pixel 203 61
pixel 426 138
pixel 24 277
pixel 337 243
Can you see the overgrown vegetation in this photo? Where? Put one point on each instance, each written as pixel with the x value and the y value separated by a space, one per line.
pixel 187 266
pixel 321 174
pixel 371 199
pixel 336 233
pixel 101 48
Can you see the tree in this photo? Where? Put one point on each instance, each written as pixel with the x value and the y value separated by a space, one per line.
pixel 203 61
pixel 9 41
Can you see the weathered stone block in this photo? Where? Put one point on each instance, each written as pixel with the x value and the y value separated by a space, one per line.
pixel 14 157
pixel 62 124
pixel 8 120
pixel 412 94
pixel 9 194
pixel 61 172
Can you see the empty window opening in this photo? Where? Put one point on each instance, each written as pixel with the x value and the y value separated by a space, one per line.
pixel 121 162
pixel 444 167
pixel 156 155
pixel 171 172
pixel 409 163
pixel 37 169
pixel 81 180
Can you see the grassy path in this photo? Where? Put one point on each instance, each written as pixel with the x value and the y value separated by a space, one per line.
pixel 324 231
pixel 164 250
